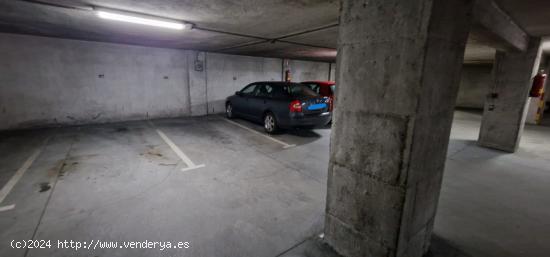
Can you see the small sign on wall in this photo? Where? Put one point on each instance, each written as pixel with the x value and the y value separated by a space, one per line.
pixel 199 65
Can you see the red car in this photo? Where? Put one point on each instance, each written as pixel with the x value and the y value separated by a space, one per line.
pixel 323 88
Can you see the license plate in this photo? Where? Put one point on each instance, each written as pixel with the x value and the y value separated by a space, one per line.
pixel 316 106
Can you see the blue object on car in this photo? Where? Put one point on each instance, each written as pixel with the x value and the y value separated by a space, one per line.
pixel 316 106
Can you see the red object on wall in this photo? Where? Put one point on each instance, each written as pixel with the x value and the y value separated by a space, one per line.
pixel 538 85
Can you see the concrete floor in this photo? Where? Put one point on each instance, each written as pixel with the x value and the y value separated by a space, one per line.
pixel 495 204
pixel 123 182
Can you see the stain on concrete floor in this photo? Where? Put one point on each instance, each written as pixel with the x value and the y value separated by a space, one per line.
pixel 44 186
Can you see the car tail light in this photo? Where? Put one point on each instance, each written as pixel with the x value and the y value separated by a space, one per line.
pixel 295 106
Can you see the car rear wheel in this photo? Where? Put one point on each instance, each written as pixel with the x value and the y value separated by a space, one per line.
pixel 229 111
pixel 270 123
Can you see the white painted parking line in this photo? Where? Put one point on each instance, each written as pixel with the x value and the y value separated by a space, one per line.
pixel 7 207
pixel 15 178
pixel 190 164
pixel 285 145
pixel 194 167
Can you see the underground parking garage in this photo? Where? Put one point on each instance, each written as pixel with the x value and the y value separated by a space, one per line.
pixel 274 128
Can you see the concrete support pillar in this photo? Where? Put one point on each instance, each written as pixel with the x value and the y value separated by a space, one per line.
pixel 506 105
pixel 398 71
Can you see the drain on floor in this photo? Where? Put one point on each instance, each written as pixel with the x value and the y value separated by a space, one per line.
pixel 44 187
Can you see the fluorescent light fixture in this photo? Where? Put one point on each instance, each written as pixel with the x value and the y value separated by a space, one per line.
pixel 142 20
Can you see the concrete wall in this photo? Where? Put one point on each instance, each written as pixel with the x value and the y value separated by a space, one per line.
pixel 49 81
pixel 46 81
pixel 229 73
pixel 303 70
pixel 474 86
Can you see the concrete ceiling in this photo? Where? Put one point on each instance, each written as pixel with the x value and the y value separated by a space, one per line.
pixel 531 15
pixel 303 29
pixel 221 25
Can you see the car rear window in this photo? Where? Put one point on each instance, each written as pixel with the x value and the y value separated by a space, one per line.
pixel 316 88
pixel 301 91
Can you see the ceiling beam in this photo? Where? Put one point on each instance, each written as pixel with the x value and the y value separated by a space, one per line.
pixel 497 28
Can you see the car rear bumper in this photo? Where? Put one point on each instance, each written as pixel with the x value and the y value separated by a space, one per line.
pixel 317 120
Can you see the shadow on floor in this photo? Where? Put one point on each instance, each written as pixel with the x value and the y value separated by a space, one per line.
pixel 315 247
pixel 442 248
pixel 545 121
pixel 464 149
pixel 478 111
pixel 304 135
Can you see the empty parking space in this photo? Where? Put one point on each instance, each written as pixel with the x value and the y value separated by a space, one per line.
pixel 124 181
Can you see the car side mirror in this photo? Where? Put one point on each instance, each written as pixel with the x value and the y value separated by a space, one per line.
pixel 238 93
